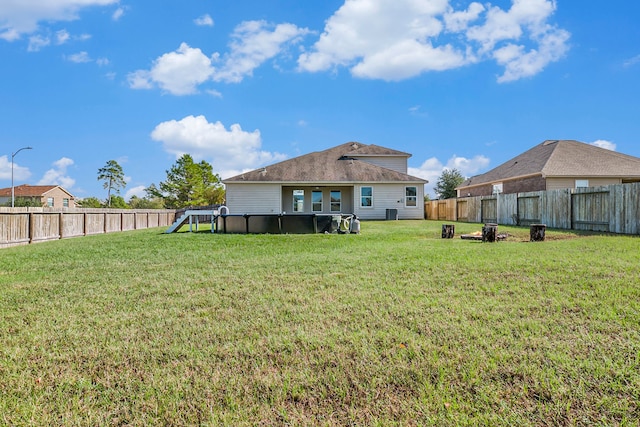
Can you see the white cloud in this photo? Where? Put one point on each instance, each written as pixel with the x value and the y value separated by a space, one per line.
pixel 631 61
pixel 20 173
pixel 22 17
pixel 231 151
pixel 119 13
pixel 457 21
pixel 432 169
pixel 135 191
pixel 79 58
pixel 58 174
pixel 37 42
pixel 400 39
pixel 204 21
pixel 255 42
pixel 607 145
pixel 179 72
pixel 62 36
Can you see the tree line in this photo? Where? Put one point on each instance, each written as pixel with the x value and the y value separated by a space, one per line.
pixel 188 184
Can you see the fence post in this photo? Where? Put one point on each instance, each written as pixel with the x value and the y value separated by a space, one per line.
pixel 60 225
pixel 32 226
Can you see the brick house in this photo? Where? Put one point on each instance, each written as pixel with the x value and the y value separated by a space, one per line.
pixel 553 165
pixel 52 196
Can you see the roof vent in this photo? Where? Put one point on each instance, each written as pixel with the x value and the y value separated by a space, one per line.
pixel 549 142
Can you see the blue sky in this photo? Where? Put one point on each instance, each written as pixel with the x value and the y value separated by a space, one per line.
pixel 246 83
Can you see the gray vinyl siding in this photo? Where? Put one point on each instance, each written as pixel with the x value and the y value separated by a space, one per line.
pixel 253 198
pixel 398 164
pixel 389 196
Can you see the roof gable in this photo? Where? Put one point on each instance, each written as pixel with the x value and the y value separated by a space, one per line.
pixel 361 150
pixel 337 164
pixel 26 190
pixel 562 158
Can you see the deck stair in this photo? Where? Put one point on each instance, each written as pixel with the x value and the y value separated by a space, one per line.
pixel 189 216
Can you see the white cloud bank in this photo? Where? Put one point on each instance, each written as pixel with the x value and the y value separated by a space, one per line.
pixel 20 173
pixel 400 39
pixel 377 39
pixel 432 169
pixel 230 151
pixel 58 174
pixel 181 72
pixel 23 16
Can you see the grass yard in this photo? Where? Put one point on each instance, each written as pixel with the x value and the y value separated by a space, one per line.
pixel 391 327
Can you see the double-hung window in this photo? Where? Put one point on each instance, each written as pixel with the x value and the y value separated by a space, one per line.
pixel 411 196
pixel 366 197
pixel 336 201
pixel 316 201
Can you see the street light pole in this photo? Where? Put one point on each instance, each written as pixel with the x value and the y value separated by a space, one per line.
pixel 13 197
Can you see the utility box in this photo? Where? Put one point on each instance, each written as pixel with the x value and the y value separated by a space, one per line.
pixel 392 214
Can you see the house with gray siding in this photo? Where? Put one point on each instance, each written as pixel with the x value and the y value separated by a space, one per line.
pixel 353 178
pixel 553 165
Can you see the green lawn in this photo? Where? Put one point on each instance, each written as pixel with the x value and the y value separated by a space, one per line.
pixel 395 326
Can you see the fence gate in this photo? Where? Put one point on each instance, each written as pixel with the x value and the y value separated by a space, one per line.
pixel 528 210
pixel 442 211
pixel 590 210
pixel 462 210
pixel 489 210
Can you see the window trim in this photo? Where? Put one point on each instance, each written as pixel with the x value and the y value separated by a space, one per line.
pixel 370 197
pixel 407 197
pixel 295 204
pixel 50 202
pixel 332 203
pixel 581 181
pixel 313 203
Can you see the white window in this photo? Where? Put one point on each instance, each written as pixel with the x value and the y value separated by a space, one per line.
pixel 50 202
pixel 316 201
pixel 336 201
pixel 65 203
pixel 582 183
pixel 366 197
pixel 497 188
pixel 298 200
pixel 411 197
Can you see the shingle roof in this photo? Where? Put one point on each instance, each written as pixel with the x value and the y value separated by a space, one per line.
pixel 362 150
pixel 26 190
pixel 562 158
pixel 335 165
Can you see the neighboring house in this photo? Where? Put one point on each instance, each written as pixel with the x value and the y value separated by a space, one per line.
pixel 552 165
pixel 52 196
pixel 367 180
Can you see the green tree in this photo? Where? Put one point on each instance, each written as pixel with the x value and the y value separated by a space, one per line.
pixel 117 202
pixel 136 202
pixel 25 202
pixel 89 202
pixel 189 184
pixel 113 176
pixel 447 182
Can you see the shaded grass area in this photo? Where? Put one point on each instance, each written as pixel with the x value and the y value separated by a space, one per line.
pixel 393 326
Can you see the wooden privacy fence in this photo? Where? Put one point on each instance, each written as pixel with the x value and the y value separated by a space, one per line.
pixel 20 226
pixel 612 208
